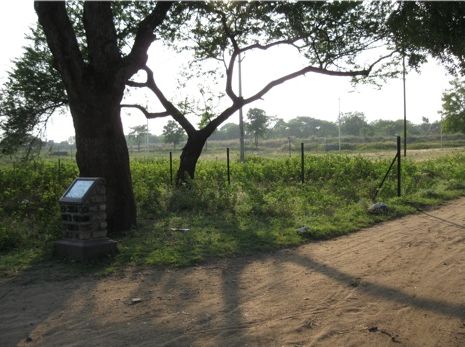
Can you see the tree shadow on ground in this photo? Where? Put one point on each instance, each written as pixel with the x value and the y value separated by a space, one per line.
pixel 382 291
pixel 200 305
pixel 30 298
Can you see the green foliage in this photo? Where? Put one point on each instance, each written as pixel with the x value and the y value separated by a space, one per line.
pixel 137 134
pixel 29 209
pixel 435 28
pixel 266 203
pixel 173 133
pixel 354 123
pixel 32 93
pixel 330 31
pixel 303 127
pixel 453 107
pixel 34 90
pixel 228 131
pixel 260 210
pixel 258 123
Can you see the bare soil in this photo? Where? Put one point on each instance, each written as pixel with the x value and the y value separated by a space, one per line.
pixel 400 283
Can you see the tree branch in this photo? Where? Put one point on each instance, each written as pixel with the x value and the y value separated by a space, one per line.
pixel 270 45
pixel 136 84
pixel 239 102
pixel 380 59
pixel 229 76
pixel 147 114
pixel 235 54
pixel 137 58
pixel 62 41
pixel 170 108
pixel 301 72
pixel 216 122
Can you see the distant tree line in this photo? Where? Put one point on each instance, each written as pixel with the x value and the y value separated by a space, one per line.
pixel 351 124
pixel 259 125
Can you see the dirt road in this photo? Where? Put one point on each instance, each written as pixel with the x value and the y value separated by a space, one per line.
pixel 400 283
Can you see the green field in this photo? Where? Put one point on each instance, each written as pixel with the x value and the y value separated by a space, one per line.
pixel 259 211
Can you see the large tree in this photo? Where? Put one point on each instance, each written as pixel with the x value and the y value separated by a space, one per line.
pixel 453 107
pixel 258 123
pixel 98 50
pixel 94 73
pixel 173 133
pixel 138 133
pixel 303 127
pixel 354 124
pixel 331 36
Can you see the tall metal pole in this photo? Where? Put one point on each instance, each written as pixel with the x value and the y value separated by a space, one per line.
pixel 339 122
pixel 171 168
pixel 398 167
pixel 405 107
pixel 241 118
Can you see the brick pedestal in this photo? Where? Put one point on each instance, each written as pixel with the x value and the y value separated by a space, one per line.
pixel 84 224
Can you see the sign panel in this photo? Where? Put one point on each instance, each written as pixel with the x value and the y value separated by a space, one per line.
pixel 79 189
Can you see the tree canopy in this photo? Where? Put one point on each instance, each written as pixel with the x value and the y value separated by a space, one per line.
pixel 332 37
pixel 354 123
pixel 31 94
pixel 453 107
pixel 93 57
pixel 431 28
pixel 258 123
pixel 173 133
pixel 34 91
pixel 138 133
pixel 97 48
pixel 327 34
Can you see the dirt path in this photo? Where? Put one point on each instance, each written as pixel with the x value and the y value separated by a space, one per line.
pixel 400 283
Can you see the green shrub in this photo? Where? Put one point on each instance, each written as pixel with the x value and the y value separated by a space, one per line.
pixel 260 210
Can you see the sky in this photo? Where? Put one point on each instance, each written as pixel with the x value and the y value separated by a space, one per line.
pixel 312 95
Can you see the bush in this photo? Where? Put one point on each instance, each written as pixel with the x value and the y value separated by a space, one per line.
pixel 30 212
pixel 260 210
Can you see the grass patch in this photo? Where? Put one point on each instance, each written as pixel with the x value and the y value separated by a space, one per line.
pixel 259 212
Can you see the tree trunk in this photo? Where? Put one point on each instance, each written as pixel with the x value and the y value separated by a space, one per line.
pixel 95 88
pixel 190 155
pixel 102 150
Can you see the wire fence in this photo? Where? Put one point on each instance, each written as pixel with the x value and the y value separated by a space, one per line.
pixel 289 149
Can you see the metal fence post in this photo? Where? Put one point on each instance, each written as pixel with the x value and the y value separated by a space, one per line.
pixel 171 168
pixel 227 163
pixel 302 165
pixel 59 170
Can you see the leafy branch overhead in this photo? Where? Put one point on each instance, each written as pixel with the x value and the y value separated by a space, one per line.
pixel 34 90
pixel 431 28
pixel 329 36
pixel 31 94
